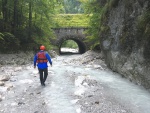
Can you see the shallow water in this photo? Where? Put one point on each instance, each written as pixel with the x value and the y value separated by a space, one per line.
pixel 127 93
pixel 65 88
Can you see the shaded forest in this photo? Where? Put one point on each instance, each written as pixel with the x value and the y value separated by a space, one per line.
pixel 25 24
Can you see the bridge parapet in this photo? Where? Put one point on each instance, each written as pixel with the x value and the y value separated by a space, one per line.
pixel 71 30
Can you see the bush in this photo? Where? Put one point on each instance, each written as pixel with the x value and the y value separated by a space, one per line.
pixel 9 42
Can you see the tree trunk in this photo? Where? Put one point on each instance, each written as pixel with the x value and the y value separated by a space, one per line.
pixel 4 11
pixel 30 18
pixel 15 16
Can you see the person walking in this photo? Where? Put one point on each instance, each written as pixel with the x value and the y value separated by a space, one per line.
pixel 41 58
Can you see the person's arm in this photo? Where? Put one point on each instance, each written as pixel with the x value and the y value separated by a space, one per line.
pixel 35 59
pixel 49 58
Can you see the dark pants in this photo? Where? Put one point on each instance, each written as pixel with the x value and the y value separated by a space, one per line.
pixel 43 78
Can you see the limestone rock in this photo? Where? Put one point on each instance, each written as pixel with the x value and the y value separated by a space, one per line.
pixel 125 48
pixel 4 77
pixel 8 85
pixel 1 83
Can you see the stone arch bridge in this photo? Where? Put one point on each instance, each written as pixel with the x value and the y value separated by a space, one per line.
pixel 75 34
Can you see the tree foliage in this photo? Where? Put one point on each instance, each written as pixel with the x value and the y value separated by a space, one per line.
pixel 27 22
pixel 93 9
pixel 71 20
pixel 69 44
pixel 98 11
pixel 72 7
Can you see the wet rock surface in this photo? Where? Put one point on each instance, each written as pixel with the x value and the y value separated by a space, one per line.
pixel 75 84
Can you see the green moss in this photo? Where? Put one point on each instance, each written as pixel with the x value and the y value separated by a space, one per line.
pixel 99 20
pixel 71 20
pixel 123 38
pixel 143 25
pixel 113 3
pixel 95 47
pixel 1 36
pixel 143 33
pixel 105 28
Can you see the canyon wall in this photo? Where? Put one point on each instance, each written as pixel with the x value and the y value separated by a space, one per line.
pixel 125 42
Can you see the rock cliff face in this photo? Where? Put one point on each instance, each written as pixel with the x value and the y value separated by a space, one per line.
pixel 126 43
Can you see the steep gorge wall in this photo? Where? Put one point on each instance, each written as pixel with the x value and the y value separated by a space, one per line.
pixel 126 42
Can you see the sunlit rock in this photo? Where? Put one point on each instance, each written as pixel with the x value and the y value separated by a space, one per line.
pixel 4 77
pixel 79 83
pixel 14 104
pixel 80 91
pixel 8 86
pixel 78 110
pixel 74 101
pixel 1 83
pixel 98 67
pixel 18 69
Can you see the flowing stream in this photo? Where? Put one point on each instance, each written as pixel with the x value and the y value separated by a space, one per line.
pixel 73 89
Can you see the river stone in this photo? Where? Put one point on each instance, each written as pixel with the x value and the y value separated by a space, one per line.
pixel 8 86
pixel 0 98
pixel 1 83
pixel 4 77
pixel 20 103
pixel 2 62
pixel 18 69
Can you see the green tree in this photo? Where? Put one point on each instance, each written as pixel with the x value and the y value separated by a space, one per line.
pixel 28 21
pixel 94 10
pixel 98 9
pixel 72 6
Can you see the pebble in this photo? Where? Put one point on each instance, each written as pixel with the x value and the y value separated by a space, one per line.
pixel 38 93
pixel 1 83
pixel 43 103
pixel 4 77
pixel 21 103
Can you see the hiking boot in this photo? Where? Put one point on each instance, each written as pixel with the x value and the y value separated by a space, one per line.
pixel 43 84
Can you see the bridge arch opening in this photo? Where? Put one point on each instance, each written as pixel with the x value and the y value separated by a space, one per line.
pixel 80 46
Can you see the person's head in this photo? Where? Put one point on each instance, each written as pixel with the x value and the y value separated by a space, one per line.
pixel 42 47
